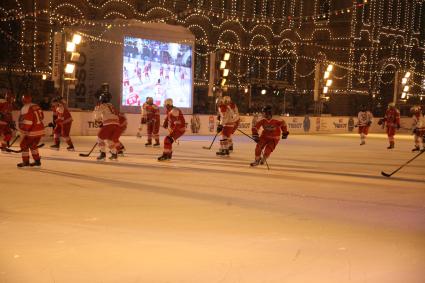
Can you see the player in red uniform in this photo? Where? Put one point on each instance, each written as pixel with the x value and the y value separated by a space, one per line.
pixel 151 118
pixel 392 122
pixel 176 126
pixel 32 128
pixel 7 125
pixel 364 121
pixel 418 127
pixel 228 118
pixel 107 116
pixel 62 123
pixel 273 130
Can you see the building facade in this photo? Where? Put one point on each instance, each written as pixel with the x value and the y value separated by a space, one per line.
pixel 281 46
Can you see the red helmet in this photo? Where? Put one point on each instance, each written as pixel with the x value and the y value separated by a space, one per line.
pixel 26 98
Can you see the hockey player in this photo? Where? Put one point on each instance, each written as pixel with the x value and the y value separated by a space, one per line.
pixel 151 118
pixel 392 122
pixel 236 121
pixel 107 116
pixel 32 128
pixel 123 126
pixel 176 125
pixel 364 121
pixel 273 130
pixel 228 118
pixel 63 123
pixel 7 125
pixel 418 127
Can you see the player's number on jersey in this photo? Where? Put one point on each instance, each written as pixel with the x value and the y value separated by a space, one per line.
pixel 39 116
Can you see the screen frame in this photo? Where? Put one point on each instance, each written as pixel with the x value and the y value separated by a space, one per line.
pixel 136 109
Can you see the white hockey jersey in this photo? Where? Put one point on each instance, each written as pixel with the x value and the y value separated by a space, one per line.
pixel 364 118
pixel 106 114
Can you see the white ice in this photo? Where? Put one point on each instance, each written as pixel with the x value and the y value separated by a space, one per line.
pixel 323 213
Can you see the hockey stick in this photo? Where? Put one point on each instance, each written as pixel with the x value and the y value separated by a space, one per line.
pixel 267 164
pixel 14 140
pixel 19 151
pixel 209 147
pixel 88 154
pixel 389 175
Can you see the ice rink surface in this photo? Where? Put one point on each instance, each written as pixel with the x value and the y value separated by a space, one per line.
pixel 323 213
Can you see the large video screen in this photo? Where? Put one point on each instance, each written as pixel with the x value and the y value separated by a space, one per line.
pixel 156 69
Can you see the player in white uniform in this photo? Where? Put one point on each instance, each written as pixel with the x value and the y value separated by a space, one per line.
pixel 365 118
pixel 418 127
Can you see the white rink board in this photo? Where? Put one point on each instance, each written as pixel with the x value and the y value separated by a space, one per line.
pixel 84 125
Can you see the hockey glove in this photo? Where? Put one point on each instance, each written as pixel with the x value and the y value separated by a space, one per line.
pixel 219 128
pixel 143 121
pixel 381 122
pixel 165 124
pixel 285 135
pixel 51 125
pixel 369 123
pixel 12 125
pixel 256 138
pixel 398 126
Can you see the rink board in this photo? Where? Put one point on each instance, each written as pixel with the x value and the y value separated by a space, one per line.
pixel 84 125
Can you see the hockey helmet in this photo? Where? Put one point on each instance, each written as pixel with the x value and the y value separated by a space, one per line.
pixel 415 109
pixel 267 110
pixel 105 87
pixel 227 99
pixel 168 102
pixel 219 101
pixel 26 98
pixel 149 100
pixel 104 98
pixel 57 98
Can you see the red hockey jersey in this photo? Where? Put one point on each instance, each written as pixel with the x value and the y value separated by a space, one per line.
pixel 31 120
pixel 392 118
pixel 175 120
pixel 150 112
pixel 272 128
pixel 63 114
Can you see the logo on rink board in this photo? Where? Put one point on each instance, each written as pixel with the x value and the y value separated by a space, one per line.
pixel 93 124
pixel 340 124
pixel 295 124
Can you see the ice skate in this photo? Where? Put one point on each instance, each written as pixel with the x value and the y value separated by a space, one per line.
pixel 231 148
pixel 363 143
pixel 391 146
pixel 149 143
pixel 70 148
pixel 164 157
pixel 416 148
pixel 113 157
pixel 156 144
pixel 35 163
pixel 102 156
pixel 255 163
pixel 55 146
pixel 223 152
pixel 23 164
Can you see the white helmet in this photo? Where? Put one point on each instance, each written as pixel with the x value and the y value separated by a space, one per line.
pixel 227 99
pixel 168 102
pixel 219 101
pixel 415 109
